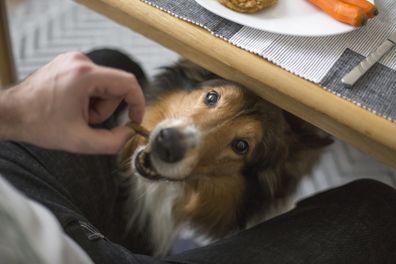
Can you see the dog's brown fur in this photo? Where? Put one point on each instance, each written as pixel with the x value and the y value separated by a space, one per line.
pixel 227 192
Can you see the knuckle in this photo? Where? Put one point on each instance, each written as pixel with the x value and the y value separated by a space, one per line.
pixel 76 55
pixel 72 56
pixel 130 78
pixel 133 77
pixel 80 68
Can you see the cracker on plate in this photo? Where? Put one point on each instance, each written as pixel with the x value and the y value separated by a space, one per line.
pixel 247 6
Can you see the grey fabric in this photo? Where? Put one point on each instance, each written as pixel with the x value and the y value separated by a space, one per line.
pixel 376 90
pixel 331 227
pixel 353 223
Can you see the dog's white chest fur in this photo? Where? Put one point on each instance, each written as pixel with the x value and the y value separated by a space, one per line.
pixel 153 206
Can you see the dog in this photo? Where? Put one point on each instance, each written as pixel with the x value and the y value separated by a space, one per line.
pixel 218 160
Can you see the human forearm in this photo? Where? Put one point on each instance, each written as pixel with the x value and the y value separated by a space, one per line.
pixel 11 117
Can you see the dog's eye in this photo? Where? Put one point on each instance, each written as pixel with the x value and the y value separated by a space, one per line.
pixel 240 146
pixel 212 98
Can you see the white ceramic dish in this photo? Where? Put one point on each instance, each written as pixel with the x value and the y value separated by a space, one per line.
pixel 290 17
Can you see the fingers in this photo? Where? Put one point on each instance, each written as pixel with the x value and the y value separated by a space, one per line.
pixel 72 56
pixel 102 141
pixel 60 95
pixel 135 101
pixel 110 85
pixel 100 110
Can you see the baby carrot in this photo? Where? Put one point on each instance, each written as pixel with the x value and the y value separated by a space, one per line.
pixel 343 12
pixel 370 9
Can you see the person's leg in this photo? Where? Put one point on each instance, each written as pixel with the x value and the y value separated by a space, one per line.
pixel 351 224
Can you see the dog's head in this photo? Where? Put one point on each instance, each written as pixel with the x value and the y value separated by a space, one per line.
pixel 234 155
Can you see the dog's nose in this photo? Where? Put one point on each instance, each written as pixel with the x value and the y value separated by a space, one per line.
pixel 170 145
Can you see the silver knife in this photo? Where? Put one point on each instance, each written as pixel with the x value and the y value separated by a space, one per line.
pixel 357 72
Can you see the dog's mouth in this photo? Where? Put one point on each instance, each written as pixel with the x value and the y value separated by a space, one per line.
pixel 146 169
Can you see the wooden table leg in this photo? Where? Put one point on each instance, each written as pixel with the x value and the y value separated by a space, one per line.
pixel 7 66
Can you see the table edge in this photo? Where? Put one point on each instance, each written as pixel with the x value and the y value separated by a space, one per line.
pixel 345 120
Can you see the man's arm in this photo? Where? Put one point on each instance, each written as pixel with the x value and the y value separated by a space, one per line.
pixel 56 105
pixel 10 114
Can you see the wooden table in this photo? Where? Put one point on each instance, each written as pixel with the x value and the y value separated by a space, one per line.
pixel 346 121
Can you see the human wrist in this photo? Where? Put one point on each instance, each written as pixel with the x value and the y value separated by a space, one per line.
pixel 11 114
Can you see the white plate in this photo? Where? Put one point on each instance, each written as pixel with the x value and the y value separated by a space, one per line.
pixel 290 17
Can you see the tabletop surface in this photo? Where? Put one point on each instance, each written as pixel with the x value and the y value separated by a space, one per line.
pixel 339 117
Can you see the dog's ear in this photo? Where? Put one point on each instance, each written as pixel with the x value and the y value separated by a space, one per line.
pixel 289 151
pixel 307 134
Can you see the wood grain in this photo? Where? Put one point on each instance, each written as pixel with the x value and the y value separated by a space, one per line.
pixel 346 121
pixel 7 67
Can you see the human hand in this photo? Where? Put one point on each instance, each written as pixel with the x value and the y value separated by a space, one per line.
pixel 57 103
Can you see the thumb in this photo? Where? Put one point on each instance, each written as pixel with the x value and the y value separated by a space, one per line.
pixel 103 141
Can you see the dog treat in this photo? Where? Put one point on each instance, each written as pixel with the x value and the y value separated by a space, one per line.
pixel 139 129
pixel 247 6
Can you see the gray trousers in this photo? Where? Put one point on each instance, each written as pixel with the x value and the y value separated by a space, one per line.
pixel 351 224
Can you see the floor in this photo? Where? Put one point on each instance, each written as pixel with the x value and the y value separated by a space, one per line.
pixel 40 35
pixel 41 29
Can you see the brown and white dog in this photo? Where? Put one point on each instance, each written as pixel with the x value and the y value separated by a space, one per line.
pixel 219 159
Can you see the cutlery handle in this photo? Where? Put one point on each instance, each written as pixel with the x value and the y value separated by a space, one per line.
pixel 367 63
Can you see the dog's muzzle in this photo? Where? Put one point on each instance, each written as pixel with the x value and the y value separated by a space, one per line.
pixel 170 154
pixel 170 145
